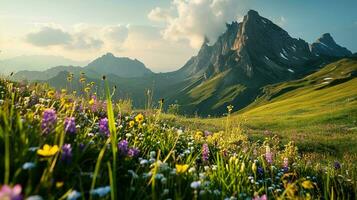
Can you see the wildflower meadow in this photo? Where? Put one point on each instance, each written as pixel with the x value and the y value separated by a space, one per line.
pixel 80 145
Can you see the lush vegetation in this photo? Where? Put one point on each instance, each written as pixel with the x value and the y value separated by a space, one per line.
pixel 317 112
pixel 58 145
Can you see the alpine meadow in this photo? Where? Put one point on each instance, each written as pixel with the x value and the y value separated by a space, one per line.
pixel 208 99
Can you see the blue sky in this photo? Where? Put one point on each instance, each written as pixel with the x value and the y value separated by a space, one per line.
pixel 160 33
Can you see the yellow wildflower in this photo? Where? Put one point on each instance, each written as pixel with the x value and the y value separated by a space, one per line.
pixel 139 118
pixel 198 135
pixel 180 169
pixel 91 102
pixel 242 167
pixel 254 167
pixel 82 80
pixel 307 185
pixel 59 184
pixel 48 150
pixel 131 124
pixel 50 93
pixel 87 89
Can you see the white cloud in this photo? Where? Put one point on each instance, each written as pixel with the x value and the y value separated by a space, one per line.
pixel 88 41
pixel 147 44
pixel 117 33
pixel 159 14
pixel 49 36
pixel 193 20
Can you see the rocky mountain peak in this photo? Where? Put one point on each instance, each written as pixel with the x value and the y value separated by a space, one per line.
pixel 326 37
pixel 252 13
pixel 326 45
pixel 265 49
pixel 255 47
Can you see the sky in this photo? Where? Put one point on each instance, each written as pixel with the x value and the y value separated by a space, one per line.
pixel 163 34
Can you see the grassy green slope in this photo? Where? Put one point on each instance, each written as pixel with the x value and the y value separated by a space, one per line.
pixel 318 112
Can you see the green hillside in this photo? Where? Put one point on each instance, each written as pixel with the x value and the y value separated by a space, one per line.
pixel 318 112
pixel 329 94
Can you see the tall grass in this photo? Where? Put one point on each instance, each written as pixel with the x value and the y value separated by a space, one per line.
pixel 166 158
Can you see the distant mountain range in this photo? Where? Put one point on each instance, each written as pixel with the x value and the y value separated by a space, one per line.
pixel 104 65
pixel 245 59
pixel 35 62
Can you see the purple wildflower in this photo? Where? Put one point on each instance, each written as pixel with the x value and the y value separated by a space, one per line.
pixel 104 126
pixel 263 197
pixel 49 120
pixel 123 147
pixel 81 146
pixel 6 192
pixel 260 170
pixel 70 125
pixel 133 152
pixel 205 152
pixel 337 165
pixel 66 153
pixel 207 133
pixel 268 155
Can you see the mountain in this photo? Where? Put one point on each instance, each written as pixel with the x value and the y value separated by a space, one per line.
pixel 120 66
pixel 34 63
pixel 45 75
pixel 234 70
pixel 248 56
pixel 327 46
pixel 104 65
pixel 209 57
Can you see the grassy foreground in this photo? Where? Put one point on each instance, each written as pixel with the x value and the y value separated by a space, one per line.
pixel 55 145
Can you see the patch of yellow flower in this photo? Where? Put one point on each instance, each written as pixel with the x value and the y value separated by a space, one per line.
pixel 180 169
pixel 215 138
pixel 198 135
pixel 307 184
pixel 139 118
pixel 50 93
pixel 131 124
pixel 91 102
pixel 48 150
pixel 87 89
pixel 59 184
pixel 82 79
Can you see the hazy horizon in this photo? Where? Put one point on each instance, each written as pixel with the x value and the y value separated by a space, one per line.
pixel 161 34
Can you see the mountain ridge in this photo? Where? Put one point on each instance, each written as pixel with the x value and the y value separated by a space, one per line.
pixel 248 56
pixel 326 45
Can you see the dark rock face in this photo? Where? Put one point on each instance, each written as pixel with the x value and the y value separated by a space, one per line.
pixel 265 50
pixel 327 46
pixel 249 55
pixel 256 48
pixel 211 56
